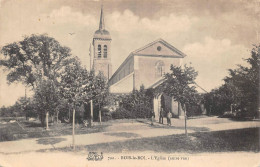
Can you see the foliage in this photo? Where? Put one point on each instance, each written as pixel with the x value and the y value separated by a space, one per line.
pixel 193 110
pixel 142 111
pixel 29 108
pixel 136 112
pixel 246 81
pixel 101 90
pixel 11 111
pixel 37 61
pixel 240 90
pixel 122 113
pixel 46 99
pixel 78 86
pixel 36 56
pixel 138 104
pixel 22 107
pixel 75 84
pixel 63 110
pixel 219 100
pixel 106 115
pixel 179 84
pixel 136 98
pixel 58 80
pixel 101 95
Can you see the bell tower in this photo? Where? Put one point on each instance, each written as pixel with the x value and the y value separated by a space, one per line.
pixel 102 49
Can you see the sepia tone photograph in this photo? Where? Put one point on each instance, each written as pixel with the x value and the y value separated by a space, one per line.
pixel 87 83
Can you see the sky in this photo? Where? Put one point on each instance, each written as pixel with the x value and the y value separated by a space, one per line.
pixel 215 35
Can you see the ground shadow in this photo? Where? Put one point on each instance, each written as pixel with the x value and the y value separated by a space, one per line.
pixel 52 141
pixel 241 119
pixel 199 116
pixel 220 141
pixel 196 129
pixel 123 134
pixel 32 124
pixel 163 126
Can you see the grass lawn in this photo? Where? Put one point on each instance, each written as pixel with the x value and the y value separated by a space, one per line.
pixel 33 129
pixel 220 141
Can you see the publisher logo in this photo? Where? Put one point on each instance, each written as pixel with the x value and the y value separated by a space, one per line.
pixel 94 156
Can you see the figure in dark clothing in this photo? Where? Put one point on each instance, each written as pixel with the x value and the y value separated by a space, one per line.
pixel 152 117
pixel 161 116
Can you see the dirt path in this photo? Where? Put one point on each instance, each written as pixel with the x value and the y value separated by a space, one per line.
pixel 124 131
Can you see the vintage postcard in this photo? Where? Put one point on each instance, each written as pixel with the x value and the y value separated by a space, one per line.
pixel 129 83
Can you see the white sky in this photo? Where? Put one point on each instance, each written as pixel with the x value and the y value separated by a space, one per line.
pixel 215 35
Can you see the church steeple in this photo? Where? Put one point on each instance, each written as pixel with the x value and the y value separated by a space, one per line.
pixel 102 33
pixel 102 48
pixel 102 21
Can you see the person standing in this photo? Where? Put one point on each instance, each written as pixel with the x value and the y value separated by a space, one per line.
pixel 161 116
pixel 169 116
pixel 152 117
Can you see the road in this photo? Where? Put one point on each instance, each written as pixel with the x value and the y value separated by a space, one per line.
pixel 24 152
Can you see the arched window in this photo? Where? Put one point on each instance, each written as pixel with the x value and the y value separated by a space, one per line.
pixel 105 51
pixel 99 51
pixel 159 69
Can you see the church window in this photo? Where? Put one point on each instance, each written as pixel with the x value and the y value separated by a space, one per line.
pixel 105 51
pixel 159 48
pixel 99 51
pixel 159 69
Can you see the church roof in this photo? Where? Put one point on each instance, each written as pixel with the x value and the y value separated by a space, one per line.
pixel 102 33
pixel 177 52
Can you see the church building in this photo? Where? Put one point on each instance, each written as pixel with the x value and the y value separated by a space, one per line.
pixel 144 66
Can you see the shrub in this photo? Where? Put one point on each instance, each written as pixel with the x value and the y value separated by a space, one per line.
pixel 106 115
pixel 141 111
pixel 194 110
pixel 138 111
pixel 122 113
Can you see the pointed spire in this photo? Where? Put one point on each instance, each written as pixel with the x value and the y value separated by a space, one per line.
pixel 102 21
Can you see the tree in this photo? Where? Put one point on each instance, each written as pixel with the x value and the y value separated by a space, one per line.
pixel 46 100
pixel 26 107
pixel 79 86
pixel 73 82
pixel 220 100
pixel 36 61
pixel 179 84
pixel 63 111
pixel 101 92
pixel 240 90
pixel 245 80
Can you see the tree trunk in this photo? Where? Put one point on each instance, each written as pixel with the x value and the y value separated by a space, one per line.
pixel 100 119
pixel 69 114
pixel 52 119
pixel 42 119
pixel 73 129
pixel 185 118
pixel 91 113
pixel 47 121
pixel 57 117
